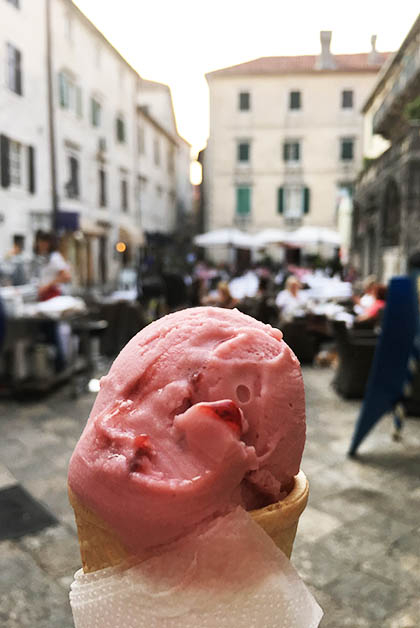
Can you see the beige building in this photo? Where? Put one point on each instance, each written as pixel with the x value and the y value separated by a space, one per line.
pixel 285 139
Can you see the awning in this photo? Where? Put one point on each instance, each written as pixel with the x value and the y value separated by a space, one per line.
pixel 90 227
pixel 67 221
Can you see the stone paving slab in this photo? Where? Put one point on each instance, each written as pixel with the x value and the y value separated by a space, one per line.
pixel 358 544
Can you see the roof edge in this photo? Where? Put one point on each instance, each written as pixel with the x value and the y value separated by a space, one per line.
pixel 390 63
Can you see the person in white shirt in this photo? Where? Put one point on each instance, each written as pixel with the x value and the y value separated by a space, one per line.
pixel 55 272
pixel 290 301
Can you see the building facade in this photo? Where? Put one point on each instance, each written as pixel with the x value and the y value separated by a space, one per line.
pixel 157 163
pixel 164 162
pixel 70 153
pixel 24 132
pixel 285 138
pixel 386 219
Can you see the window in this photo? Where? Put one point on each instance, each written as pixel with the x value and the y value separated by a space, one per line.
pixel 124 195
pixel 244 150
pixel 64 90
pixel 156 151
pixel 15 3
pixel 79 102
pixel 15 163
pixel 72 186
pixel 293 201
pixel 120 130
pixel 140 140
pixel 347 149
pixel 14 69
pixel 295 100
pixel 95 112
pixel 244 101
pixel 102 188
pixel 347 99
pixel 291 151
pixel 171 159
pixel 70 96
pixel 243 201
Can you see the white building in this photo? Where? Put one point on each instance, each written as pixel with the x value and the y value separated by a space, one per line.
pixel 92 178
pixel 95 92
pixel 164 161
pixel 285 138
pixel 156 165
pixel 24 137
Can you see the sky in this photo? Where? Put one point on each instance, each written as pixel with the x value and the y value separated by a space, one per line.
pixel 177 41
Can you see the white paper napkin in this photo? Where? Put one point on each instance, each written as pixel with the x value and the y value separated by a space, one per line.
pixel 229 575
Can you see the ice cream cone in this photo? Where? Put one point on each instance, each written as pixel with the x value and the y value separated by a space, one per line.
pixel 280 520
pixel 100 546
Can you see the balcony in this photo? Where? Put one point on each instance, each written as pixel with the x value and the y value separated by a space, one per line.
pixel 242 221
pixel 390 114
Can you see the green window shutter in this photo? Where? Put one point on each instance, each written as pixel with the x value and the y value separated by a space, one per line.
pixel 297 151
pixel 243 201
pixel 286 151
pixel 280 200
pixel 306 200
pixel 347 149
pixel 62 86
pixel 243 151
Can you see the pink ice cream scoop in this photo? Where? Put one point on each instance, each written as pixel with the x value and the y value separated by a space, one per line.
pixel 202 411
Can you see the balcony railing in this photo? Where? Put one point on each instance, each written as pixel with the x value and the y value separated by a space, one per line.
pixel 392 104
pixel 242 221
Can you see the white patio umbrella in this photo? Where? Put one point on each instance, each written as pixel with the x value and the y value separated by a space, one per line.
pixel 313 235
pixel 270 236
pixel 225 237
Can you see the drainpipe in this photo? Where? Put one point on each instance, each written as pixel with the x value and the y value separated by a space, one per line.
pixel 51 122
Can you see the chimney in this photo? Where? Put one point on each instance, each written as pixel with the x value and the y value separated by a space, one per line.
pixel 374 57
pixel 325 61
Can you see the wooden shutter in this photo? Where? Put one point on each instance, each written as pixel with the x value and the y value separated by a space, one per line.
pixel 280 197
pixel 306 200
pixel 31 169
pixel 285 151
pixel 4 161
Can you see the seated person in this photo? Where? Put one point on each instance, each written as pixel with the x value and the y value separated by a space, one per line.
pixel 372 314
pixel 368 297
pixel 222 298
pixel 290 301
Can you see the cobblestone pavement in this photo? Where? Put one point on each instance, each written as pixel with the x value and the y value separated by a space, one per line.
pixel 358 544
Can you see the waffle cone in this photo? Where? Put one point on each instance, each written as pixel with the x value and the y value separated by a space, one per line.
pixel 98 543
pixel 280 520
pixel 100 546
